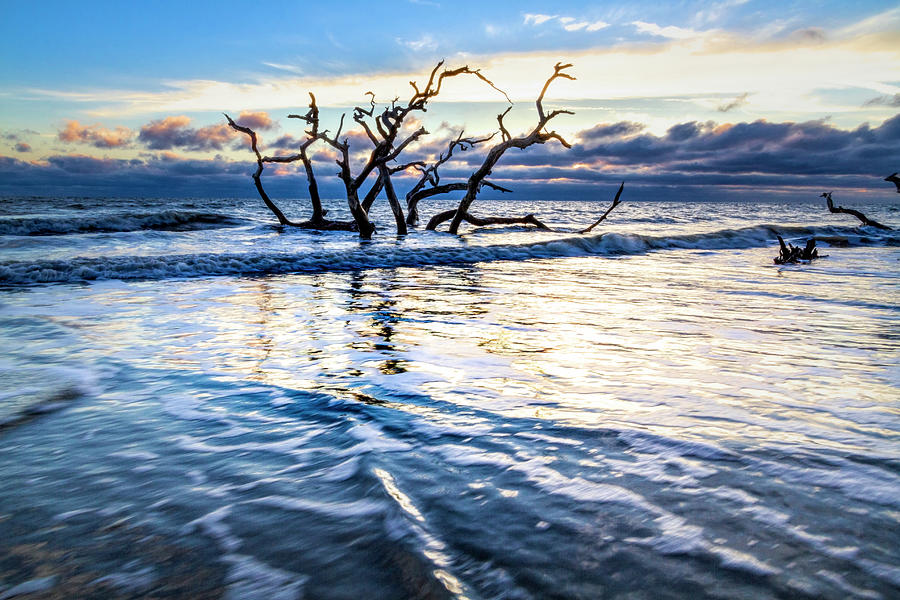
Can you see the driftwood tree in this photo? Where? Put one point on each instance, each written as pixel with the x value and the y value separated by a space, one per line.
pixel 389 138
pixel 538 135
pixel 317 220
pixel 429 182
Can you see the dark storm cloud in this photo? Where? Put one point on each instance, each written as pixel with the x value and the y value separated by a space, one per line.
pixel 285 142
pixel 691 160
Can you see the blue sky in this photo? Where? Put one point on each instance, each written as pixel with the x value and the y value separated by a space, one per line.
pixel 125 97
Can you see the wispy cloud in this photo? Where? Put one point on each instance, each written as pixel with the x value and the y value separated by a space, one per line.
pixel 537 19
pixel 425 42
pixel 567 23
pixel 884 101
pixel 670 32
pixel 786 77
pixel 284 67
pixel 736 103
pixel 23 147
pixel 716 11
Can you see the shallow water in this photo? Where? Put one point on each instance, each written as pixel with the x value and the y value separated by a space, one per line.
pixel 207 406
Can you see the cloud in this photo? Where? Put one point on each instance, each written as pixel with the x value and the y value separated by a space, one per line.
pixel 710 159
pixel 690 160
pixel 95 135
pixel 256 120
pixel 174 132
pixel 537 19
pixel 23 147
pixel 612 130
pixel 884 101
pixel 425 42
pixel 282 67
pixel 568 23
pixel 670 32
pixel 813 35
pixel 736 103
pixel 285 142
pixel 786 150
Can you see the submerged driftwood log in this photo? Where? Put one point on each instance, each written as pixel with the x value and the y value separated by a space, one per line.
pixel 794 254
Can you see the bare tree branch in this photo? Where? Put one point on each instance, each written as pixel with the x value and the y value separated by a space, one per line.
pixel 840 209
pixel 609 210
pixel 283 220
pixel 481 222
pixel 538 135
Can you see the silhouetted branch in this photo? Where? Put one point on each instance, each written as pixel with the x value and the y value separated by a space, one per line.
pixel 481 222
pixel 430 175
pixel 609 210
pixel 538 135
pixel 283 220
pixel 840 209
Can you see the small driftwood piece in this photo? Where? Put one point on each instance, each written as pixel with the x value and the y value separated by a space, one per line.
pixel 895 180
pixel 863 218
pixel 609 210
pixel 791 254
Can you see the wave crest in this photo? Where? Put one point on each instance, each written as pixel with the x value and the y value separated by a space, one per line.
pixel 167 220
pixel 376 256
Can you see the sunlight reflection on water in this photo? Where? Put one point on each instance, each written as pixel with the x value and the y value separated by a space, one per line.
pixel 696 421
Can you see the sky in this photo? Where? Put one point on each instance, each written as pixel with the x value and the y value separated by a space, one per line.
pixel 683 100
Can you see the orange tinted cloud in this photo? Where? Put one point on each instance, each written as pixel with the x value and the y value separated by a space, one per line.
pixel 96 135
pixel 255 120
pixel 174 132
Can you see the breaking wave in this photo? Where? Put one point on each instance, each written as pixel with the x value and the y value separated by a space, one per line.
pixel 376 256
pixel 167 220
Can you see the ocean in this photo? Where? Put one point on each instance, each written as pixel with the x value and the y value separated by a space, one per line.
pixel 195 403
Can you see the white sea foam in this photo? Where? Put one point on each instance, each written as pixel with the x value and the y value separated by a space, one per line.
pixel 213 524
pixel 32 586
pixel 342 471
pixel 185 407
pixel 250 579
pixel 357 508
pixel 375 440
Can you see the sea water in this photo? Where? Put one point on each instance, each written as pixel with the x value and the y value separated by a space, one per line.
pixel 195 403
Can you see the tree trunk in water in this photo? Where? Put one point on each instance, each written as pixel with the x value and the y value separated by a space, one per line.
pixel 392 198
pixel 372 195
pixel 318 215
